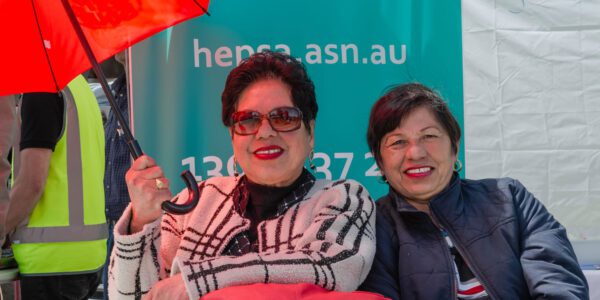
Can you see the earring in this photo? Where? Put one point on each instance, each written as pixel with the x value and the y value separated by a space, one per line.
pixel 235 168
pixel 311 156
pixel 458 166
pixel 382 179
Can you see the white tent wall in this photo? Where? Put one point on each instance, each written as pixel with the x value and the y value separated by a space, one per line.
pixel 532 102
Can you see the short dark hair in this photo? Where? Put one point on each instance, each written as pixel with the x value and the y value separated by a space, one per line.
pixel 270 65
pixel 389 111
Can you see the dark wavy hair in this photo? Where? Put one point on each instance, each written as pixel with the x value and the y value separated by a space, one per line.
pixel 270 65
pixel 389 111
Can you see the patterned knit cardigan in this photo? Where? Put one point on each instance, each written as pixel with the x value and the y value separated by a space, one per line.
pixel 326 239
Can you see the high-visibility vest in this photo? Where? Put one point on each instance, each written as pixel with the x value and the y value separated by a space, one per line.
pixel 66 232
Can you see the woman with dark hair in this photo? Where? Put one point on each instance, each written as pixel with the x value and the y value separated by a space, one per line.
pixel 274 224
pixel 442 237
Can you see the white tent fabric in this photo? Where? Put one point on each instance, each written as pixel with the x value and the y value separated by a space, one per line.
pixel 532 102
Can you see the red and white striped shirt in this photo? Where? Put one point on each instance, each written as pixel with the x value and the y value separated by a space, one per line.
pixel 468 285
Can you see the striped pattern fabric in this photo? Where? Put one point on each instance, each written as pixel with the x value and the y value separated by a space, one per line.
pixel 326 239
pixel 471 289
pixel 241 244
pixel 468 287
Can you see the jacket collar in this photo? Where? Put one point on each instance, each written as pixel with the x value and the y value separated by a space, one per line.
pixel 448 198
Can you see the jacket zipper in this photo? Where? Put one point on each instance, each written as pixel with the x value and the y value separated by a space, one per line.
pixel 463 253
pixel 448 257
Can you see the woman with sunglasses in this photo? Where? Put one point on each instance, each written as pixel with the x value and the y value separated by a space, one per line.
pixel 443 237
pixel 274 224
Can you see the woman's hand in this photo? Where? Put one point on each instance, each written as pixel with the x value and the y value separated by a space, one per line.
pixel 148 188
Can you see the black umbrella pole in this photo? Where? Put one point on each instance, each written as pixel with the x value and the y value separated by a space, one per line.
pixel 134 147
pixel 132 143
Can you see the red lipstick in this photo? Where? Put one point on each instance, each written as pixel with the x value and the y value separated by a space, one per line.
pixel 268 152
pixel 418 172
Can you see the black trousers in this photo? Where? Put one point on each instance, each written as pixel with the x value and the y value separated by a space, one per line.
pixel 60 287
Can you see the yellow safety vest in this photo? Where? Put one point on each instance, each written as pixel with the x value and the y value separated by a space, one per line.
pixel 66 232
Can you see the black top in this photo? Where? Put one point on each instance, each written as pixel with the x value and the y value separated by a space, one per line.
pixel 263 201
pixel 42 116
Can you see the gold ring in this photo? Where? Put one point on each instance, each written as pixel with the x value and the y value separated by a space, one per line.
pixel 159 184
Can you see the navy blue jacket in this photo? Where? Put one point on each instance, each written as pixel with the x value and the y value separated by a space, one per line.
pixel 118 158
pixel 511 242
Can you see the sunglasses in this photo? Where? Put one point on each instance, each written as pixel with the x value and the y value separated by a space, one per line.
pixel 281 119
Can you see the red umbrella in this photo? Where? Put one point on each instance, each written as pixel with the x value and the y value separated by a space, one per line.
pixel 41 51
pixel 47 43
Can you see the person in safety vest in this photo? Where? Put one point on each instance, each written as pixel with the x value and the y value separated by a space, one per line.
pixel 57 200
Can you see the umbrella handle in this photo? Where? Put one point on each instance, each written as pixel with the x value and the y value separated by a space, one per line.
pixel 134 147
pixel 194 194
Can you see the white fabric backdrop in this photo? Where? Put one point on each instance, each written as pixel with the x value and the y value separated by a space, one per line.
pixel 593 278
pixel 532 103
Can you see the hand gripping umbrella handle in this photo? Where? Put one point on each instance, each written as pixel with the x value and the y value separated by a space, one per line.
pixel 188 178
pixel 134 147
pixel 192 186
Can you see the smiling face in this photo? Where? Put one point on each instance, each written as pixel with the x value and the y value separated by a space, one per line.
pixel 417 157
pixel 270 157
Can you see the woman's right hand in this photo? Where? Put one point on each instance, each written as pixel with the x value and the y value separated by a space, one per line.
pixel 145 191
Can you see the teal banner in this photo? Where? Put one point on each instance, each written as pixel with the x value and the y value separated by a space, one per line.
pixel 353 52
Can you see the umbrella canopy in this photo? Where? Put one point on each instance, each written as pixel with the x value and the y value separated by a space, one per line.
pixel 49 42
pixel 41 51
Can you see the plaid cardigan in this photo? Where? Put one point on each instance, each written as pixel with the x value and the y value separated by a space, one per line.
pixel 326 239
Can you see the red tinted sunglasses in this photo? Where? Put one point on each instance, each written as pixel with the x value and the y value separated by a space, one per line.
pixel 281 119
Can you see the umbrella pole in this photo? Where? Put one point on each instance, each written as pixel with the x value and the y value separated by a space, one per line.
pixel 134 147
